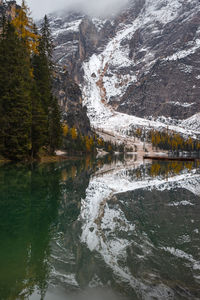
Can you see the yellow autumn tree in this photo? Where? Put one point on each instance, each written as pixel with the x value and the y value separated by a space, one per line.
pixel 138 132
pixel 109 148
pixel 74 133
pixel 100 142
pixel 25 27
pixel 65 130
pixel 155 169
pixel 89 143
pixel 190 143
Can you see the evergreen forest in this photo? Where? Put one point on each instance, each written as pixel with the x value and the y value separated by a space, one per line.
pixel 30 117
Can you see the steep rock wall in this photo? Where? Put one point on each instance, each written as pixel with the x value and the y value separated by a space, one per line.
pixel 152 53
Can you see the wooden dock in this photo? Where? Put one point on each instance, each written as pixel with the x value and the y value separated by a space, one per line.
pixel 167 158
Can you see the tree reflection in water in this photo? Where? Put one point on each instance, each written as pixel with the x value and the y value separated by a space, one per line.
pixel 42 220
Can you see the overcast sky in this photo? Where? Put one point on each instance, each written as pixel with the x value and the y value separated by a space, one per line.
pixel 95 7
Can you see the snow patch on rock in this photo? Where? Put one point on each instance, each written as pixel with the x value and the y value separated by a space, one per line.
pixel 184 53
pixel 193 122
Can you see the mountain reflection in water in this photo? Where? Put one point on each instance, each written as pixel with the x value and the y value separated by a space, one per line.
pixel 104 229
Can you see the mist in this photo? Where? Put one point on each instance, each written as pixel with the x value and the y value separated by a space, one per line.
pixel 88 294
pixel 91 7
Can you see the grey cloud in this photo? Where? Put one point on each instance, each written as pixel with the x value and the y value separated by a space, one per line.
pixel 92 7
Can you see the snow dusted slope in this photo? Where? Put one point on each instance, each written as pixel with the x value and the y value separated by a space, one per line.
pixel 143 62
pixel 108 74
pixel 103 116
pixel 116 55
pixel 192 123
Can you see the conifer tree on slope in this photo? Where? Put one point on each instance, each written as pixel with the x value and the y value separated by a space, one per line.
pixel 39 129
pixel 27 31
pixel 15 101
pixel 39 115
pixel 55 129
pixel 47 42
pixel 39 126
pixel 2 86
pixel 43 74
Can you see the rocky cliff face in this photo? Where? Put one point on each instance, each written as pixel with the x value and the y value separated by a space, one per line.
pixel 69 96
pixel 77 37
pixel 144 61
pixel 8 9
pixel 68 72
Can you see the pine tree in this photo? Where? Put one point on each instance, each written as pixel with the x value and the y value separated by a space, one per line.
pixel 47 41
pixel 55 128
pixel 43 75
pixel 2 85
pixel 15 101
pixel 39 128
pixel 43 65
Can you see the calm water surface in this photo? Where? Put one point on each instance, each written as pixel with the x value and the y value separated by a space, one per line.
pixel 112 230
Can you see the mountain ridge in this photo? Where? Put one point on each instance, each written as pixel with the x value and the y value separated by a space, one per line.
pixel 147 57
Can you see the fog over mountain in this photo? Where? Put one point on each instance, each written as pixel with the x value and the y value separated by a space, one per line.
pixel 92 7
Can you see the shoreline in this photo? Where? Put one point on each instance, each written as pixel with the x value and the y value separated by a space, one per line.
pixel 44 159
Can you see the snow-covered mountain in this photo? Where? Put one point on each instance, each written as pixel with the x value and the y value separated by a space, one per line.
pixel 143 62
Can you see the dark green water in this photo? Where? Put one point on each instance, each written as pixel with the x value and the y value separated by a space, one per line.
pixel 85 230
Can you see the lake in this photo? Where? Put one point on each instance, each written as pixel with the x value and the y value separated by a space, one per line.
pixel 112 229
